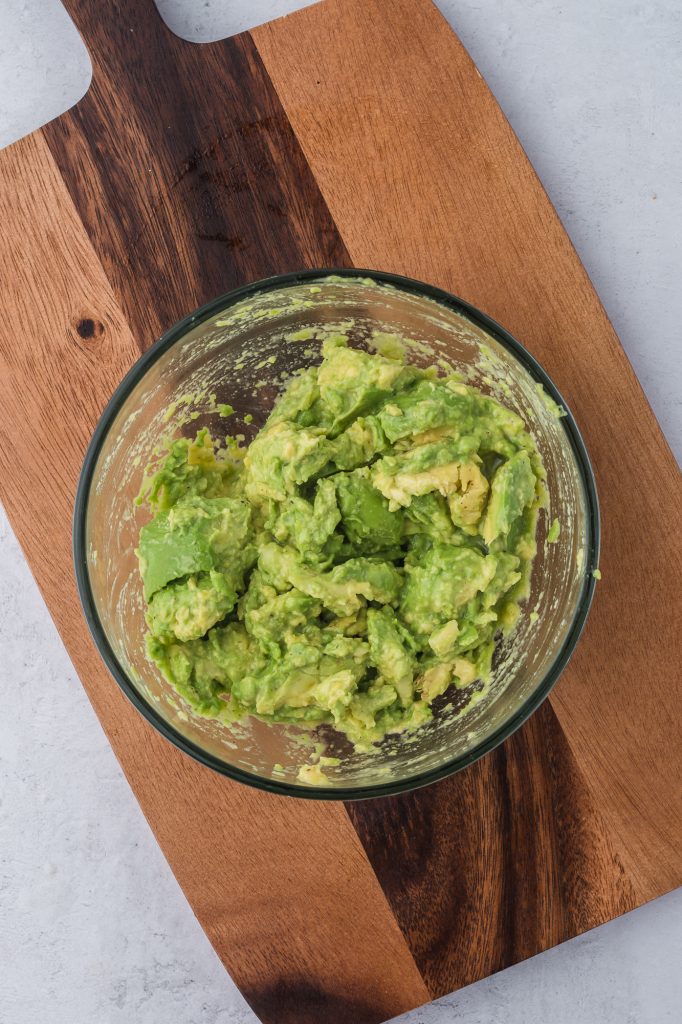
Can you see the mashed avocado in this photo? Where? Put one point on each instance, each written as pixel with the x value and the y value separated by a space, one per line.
pixel 357 560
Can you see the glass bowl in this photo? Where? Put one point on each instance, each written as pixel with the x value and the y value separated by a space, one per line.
pixel 235 349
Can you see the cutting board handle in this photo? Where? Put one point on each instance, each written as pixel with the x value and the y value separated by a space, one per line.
pixel 117 30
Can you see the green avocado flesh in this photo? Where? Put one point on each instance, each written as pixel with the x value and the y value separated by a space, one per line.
pixel 360 557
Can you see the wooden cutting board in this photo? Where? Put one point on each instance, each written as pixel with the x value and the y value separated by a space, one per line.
pixel 355 132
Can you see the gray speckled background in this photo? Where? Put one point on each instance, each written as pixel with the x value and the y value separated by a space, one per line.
pixel 93 927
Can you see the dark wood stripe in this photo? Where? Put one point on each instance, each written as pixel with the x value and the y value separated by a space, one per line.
pixel 184 169
pixel 300 1001
pixel 492 865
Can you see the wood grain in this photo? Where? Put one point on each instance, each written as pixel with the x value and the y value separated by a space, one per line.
pixel 496 863
pixel 356 132
pixel 184 169
pixel 428 180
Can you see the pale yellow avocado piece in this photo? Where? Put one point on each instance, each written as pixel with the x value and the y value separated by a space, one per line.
pixel 435 680
pixel 436 466
pixel 312 775
pixel 401 488
pixel 467 501
pixel 443 639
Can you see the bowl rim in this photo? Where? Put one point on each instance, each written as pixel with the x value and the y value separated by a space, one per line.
pixel 135 375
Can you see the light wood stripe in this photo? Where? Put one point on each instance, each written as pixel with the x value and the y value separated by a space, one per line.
pixel 424 177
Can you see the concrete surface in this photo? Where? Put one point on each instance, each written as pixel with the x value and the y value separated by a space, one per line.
pixel 93 926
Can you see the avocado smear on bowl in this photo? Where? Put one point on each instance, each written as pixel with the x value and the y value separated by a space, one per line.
pixel 361 556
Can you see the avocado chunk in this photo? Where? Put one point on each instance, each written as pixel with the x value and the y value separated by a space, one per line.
pixel 195 535
pixel 342 589
pixel 440 583
pixel 428 405
pixel 392 651
pixel 187 609
pixel 309 526
pixel 512 490
pixel 444 466
pixel 359 443
pixel 353 383
pixel 281 458
pixel 365 516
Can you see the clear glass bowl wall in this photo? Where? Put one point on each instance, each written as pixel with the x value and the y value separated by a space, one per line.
pixel 236 349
